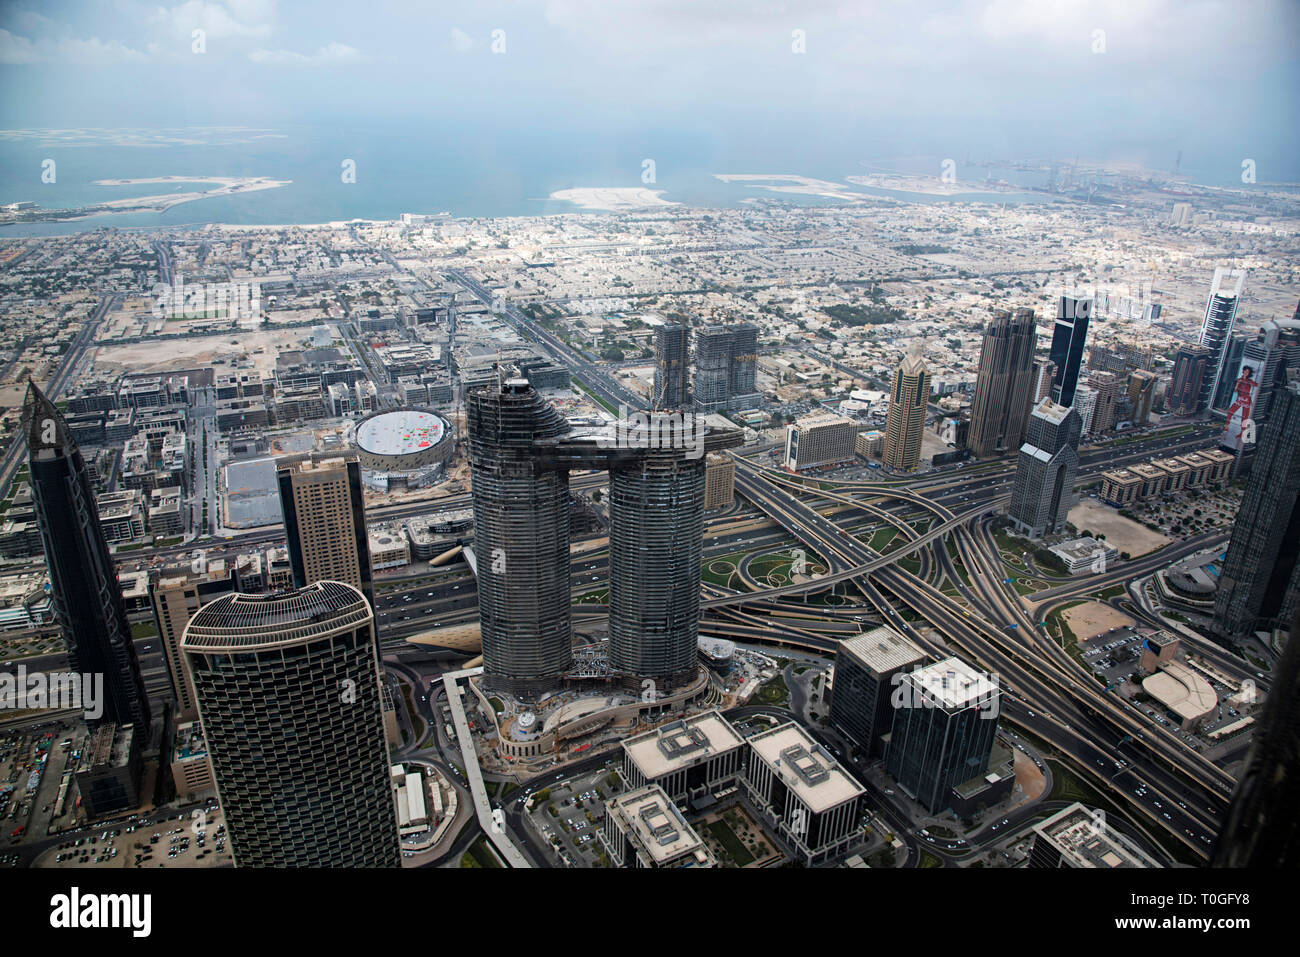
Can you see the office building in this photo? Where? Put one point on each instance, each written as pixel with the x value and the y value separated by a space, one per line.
pixel 1261 828
pixel 1044 489
pixel 820 439
pixel 288 692
pixel 908 403
pixel 867 667
pixel 691 759
pixel 1069 334
pixel 1259 584
pixel 1004 385
pixel 176 595
pixel 672 367
pixel 945 722
pixel 1078 837
pixel 325 523
pixel 803 793
pixel 643 828
pixel 1191 362
pixel 1141 390
pixel 190 765
pixel 84 586
pixel 1229 370
pixel 1043 375
pixel 719 480
pixel 109 770
pixel 1107 387
pixel 1085 405
pixel 1271 356
pixel 1217 327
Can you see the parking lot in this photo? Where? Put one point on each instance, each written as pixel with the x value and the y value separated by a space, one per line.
pixel 570 816
pixel 177 840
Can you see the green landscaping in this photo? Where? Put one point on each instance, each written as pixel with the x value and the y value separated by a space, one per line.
pixel 735 848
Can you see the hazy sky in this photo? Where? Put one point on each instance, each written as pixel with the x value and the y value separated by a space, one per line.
pixel 1121 79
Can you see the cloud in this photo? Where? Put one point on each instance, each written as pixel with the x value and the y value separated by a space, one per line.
pixel 332 54
pixel 251 19
pixel 16 49
pixel 74 51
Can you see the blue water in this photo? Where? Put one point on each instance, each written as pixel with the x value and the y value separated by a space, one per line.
pixel 414 168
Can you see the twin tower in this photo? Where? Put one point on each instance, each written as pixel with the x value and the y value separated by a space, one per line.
pixel 521 452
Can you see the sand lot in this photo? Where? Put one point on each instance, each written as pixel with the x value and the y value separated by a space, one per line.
pixel 200 351
pixel 1125 534
pixel 1093 618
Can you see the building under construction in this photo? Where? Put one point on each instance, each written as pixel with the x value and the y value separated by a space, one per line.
pixel 521 451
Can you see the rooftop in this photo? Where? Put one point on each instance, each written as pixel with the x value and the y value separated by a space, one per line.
pixel 805 767
pixel 1078 836
pixel 882 650
pixel 681 744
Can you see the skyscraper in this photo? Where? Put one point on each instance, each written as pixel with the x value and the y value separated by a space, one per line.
pixel 1261 828
pixel 325 523
pixel 1069 335
pixel 656 539
pixel 1259 586
pixel 945 722
pixel 726 365
pixel 1106 385
pixel 908 404
pixel 521 537
pixel 1004 386
pixel 672 365
pixel 1141 395
pixel 866 670
pixel 1229 371
pixel 1216 328
pixel 1191 363
pixel 1044 373
pixel 288 688
pixel 1085 404
pixel 1044 488
pixel 84 587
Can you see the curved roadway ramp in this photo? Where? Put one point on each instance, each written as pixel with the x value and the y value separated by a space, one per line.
pixel 482 806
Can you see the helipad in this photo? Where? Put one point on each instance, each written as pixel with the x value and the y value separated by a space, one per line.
pixel 401 433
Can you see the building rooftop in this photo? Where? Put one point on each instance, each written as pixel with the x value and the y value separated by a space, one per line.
pixel 656 827
pixel 1076 834
pixel 805 767
pixel 1181 690
pixel 952 683
pixel 681 744
pixel 882 650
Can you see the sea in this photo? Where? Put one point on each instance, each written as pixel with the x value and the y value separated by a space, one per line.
pixel 416 168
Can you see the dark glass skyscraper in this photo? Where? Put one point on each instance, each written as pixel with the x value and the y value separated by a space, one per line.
pixel 656 540
pixel 288 691
pixel 1259 586
pixel 1261 828
pixel 521 537
pixel 1004 386
pixel 1068 338
pixel 1045 470
pixel 84 587
pixel 1191 365
pixel 1216 329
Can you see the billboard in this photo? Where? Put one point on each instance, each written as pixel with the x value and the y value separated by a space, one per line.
pixel 1239 430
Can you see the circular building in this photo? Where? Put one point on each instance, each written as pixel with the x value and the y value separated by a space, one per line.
pixel 403 448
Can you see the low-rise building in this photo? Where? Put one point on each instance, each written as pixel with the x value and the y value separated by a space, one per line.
pixel 643 828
